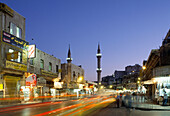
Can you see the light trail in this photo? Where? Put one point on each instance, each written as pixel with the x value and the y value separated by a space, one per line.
pixel 27 106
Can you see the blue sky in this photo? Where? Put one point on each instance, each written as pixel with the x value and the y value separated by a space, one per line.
pixel 126 29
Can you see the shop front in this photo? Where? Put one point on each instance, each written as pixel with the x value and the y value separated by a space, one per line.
pixel 12 85
pixel 29 91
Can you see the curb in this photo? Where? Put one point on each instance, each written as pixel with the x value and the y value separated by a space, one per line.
pixel 149 109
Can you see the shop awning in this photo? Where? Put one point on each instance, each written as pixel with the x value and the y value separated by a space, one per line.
pixel 148 82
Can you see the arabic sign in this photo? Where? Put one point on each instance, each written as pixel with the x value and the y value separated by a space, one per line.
pixel 16 66
pixel 13 40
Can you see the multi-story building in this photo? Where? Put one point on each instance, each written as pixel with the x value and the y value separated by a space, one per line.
pixel 47 70
pixel 107 81
pixel 72 75
pixel 156 75
pixel 119 78
pixel 13 52
pixel 130 80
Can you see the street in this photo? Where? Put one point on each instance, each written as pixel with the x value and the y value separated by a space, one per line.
pixel 111 110
pixel 91 106
pixel 69 107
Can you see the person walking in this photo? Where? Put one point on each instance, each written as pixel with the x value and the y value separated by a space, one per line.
pixel 118 100
pixel 165 100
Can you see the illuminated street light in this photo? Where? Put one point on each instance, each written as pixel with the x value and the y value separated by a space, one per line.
pixel 111 86
pixel 80 79
pixel 143 67
pixel 101 87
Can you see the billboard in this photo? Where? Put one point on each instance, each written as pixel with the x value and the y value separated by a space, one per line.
pixel 31 51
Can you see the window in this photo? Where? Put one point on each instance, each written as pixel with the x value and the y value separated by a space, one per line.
pixel 14 30
pixel 56 68
pixel 31 61
pixel 50 66
pixel 42 64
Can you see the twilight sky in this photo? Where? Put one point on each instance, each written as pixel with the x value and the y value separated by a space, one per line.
pixel 126 29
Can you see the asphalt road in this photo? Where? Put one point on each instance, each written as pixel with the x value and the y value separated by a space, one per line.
pixel 70 107
pixel 94 106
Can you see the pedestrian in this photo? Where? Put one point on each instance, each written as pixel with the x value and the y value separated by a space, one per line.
pixel 118 100
pixel 128 99
pixel 165 100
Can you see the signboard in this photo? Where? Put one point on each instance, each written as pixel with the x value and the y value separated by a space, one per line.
pixel 13 55
pixel 12 78
pixel 24 56
pixel 31 80
pixel 1 86
pixel 43 72
pixel 16 66
pixel 41 81
pixel 13 40
pixel 31 51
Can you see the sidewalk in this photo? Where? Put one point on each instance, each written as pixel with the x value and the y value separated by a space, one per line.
pixel 147 106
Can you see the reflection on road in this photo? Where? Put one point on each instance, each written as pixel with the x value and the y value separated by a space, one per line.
pixel 63 108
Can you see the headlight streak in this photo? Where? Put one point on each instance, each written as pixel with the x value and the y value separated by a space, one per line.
pixel 78 108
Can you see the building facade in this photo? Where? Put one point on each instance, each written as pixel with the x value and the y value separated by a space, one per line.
pixel 13 52
pixel 47 70
pixel 72 75
pixel 156 75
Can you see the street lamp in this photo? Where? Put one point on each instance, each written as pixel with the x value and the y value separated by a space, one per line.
pixel 110 86
pixel 143 67
pixel 80 79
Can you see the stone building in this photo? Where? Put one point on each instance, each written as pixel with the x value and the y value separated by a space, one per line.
pixel 13 53
pixel 72 75
pixel 47 70
pixel 156 75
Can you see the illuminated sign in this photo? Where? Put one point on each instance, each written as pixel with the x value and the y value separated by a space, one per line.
pixel 13 40
pixel 16 66
pixel 31 51
pixel 1 86
pixel 31 80
pixel 24 56
pixel 13 55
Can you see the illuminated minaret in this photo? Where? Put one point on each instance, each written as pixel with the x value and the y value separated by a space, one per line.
pixel 99 69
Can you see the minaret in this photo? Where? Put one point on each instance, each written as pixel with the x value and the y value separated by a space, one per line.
pixel 69 59
pixel 99 69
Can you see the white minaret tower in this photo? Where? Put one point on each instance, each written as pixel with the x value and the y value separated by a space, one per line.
pixel 99 69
